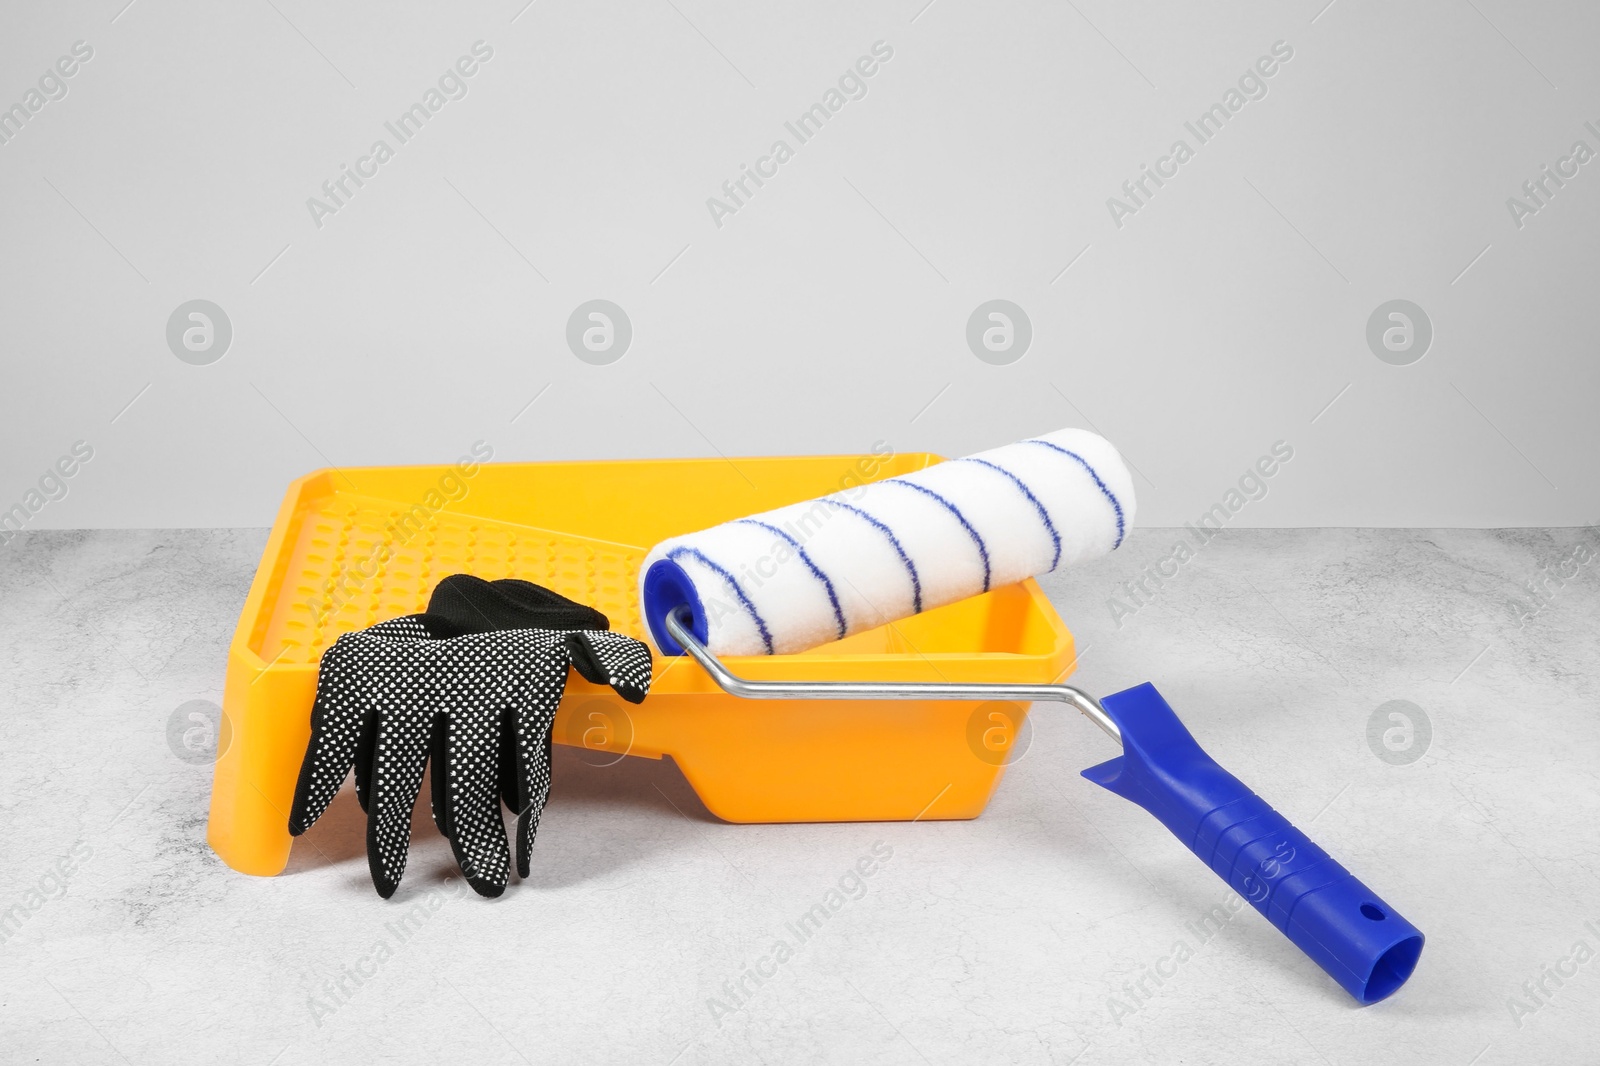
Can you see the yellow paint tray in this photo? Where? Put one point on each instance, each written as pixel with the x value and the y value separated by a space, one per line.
pixel 356 546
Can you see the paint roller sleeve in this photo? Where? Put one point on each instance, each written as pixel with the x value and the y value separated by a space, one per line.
pixel 812 572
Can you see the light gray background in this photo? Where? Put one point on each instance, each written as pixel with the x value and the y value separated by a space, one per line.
pixel 830 312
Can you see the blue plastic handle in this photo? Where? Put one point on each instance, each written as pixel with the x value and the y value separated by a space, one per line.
pixel 1329 914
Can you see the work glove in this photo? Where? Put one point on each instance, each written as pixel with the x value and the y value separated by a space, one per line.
pixel 472 685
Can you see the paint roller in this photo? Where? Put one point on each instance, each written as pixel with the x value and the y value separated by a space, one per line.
pixel 791 579
pixel 812 572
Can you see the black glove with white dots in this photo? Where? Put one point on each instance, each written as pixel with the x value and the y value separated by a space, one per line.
pixel 472 685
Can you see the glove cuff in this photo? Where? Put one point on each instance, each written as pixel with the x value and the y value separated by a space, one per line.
pixel 462 604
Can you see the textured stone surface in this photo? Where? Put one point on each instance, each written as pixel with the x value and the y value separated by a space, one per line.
pixel 1007 939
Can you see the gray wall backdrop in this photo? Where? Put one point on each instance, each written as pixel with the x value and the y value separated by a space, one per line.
pixel 1368 153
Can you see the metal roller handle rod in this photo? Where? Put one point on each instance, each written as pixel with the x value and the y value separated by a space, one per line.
pixel 731 683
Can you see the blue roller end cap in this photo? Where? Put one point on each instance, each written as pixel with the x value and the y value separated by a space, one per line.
pixel 1345 927
pixel 666 588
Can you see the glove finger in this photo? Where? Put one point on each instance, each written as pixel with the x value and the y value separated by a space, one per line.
pixel 343 716
pixel 468 802
pixel 537 777
pixel 534 700
pixel 336 722
pixel 391 667
pixel 612 659
pixel 399 755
